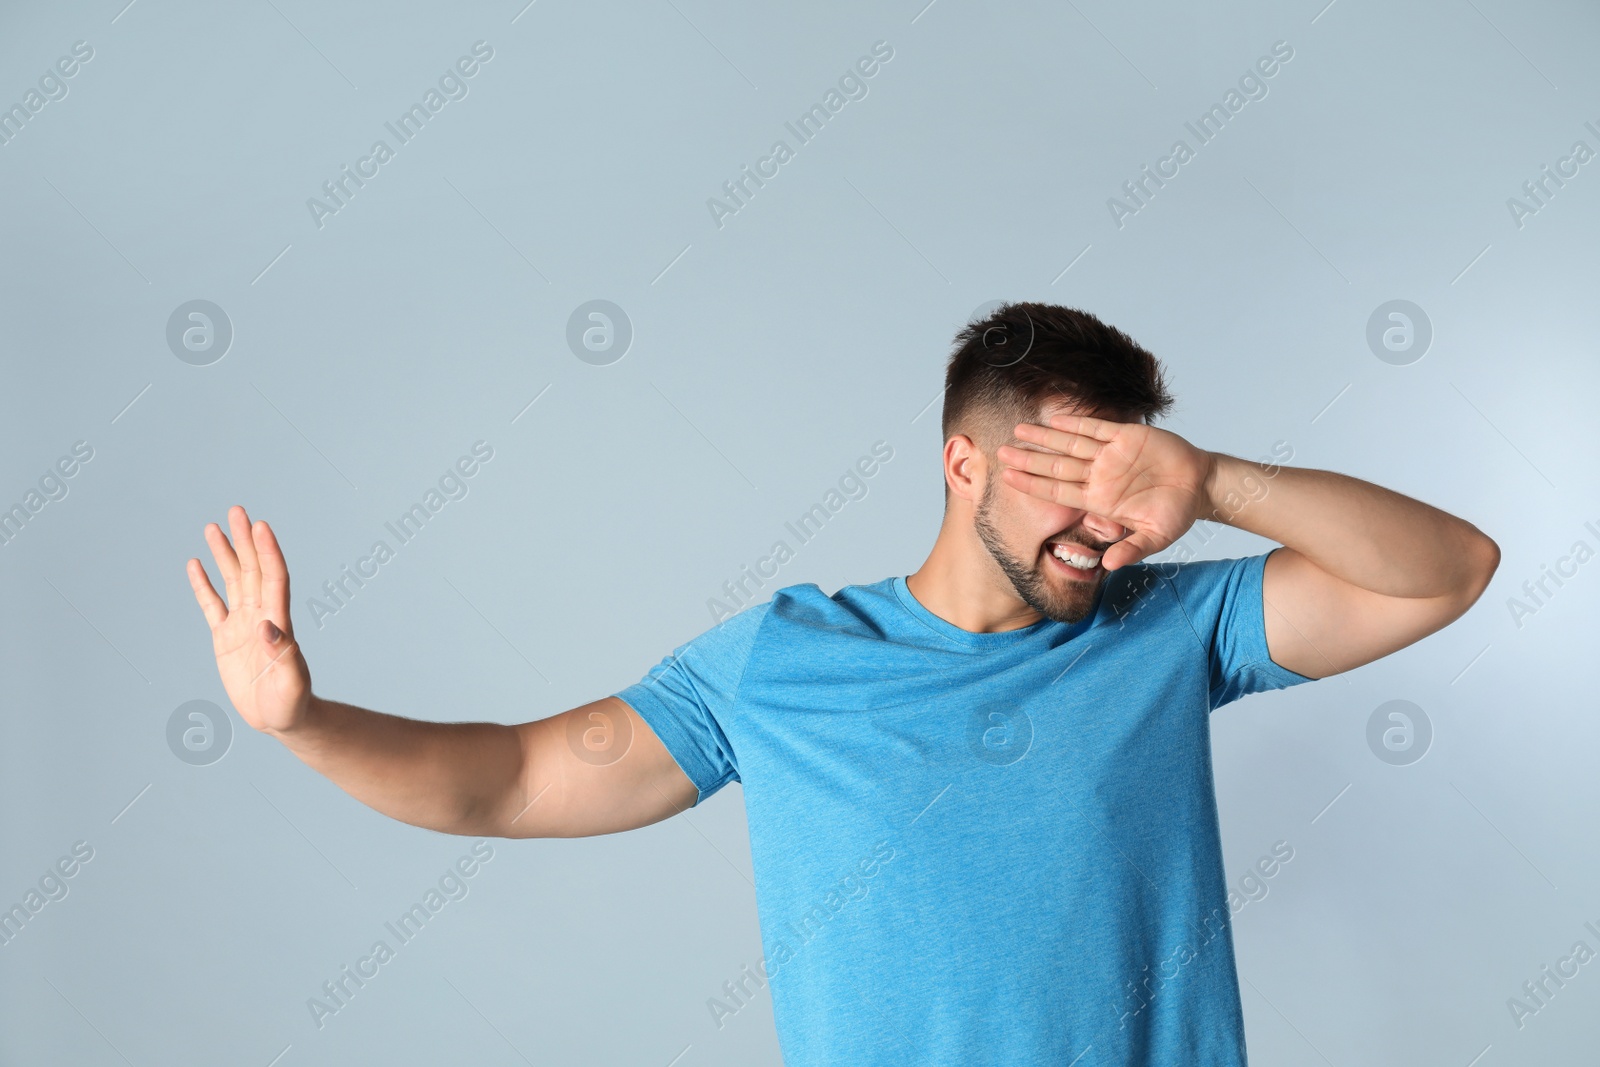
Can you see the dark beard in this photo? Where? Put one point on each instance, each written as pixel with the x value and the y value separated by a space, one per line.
pixel 1027 581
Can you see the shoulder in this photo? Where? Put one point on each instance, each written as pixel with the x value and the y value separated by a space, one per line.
pixel 1180 576
pixel 1200 590
pixel 1132 589
pixel 807 606
pixel 1178 581
pixel 738 629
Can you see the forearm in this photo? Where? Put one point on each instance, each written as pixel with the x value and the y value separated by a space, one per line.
pixel 438 775
pixel 1361 533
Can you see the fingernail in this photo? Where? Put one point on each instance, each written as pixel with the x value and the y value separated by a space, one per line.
pixel 273 633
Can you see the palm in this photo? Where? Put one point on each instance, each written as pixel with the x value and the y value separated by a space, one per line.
pixel 1149 480
pixel 268 683
pixel 1146 483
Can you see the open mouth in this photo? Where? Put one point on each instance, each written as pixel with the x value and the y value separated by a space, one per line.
pixel 1078 563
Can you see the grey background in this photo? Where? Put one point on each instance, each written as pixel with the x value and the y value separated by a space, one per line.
pixel 768 354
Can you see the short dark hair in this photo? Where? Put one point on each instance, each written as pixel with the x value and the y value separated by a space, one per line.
pixel 1007 366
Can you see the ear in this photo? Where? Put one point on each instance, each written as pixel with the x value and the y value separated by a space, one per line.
pixel 965 468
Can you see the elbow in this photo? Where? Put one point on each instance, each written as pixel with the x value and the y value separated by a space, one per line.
pixel 1491 559
pixel 1488 561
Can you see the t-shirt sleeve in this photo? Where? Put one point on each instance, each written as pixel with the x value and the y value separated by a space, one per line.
pixel 687 697
pixel 1222 599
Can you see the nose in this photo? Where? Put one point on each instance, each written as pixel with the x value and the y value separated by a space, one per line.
pixel 1103 528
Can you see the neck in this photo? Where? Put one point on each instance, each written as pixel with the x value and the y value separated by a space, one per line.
pixel 963 585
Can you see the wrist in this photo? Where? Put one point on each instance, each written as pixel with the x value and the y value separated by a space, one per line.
pixel 1232 485
pixel 1222 474
pixel 311 719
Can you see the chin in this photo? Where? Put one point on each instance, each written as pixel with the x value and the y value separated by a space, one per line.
pixel 1065 609
pixel 1068 601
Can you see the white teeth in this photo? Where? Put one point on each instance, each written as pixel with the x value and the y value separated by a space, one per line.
pixel 1079 561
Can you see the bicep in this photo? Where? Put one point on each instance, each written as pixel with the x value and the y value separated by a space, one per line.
pixel 1318 625
pixel 595 769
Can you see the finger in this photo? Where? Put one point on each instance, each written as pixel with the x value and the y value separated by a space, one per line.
pixel 249 568
pixel 1087 426
pixel 227 562
pixel 210 603
pixel 274 576
pixel 1131 549
pixel 1067 494
pixel 1066 468
pixel 1081 446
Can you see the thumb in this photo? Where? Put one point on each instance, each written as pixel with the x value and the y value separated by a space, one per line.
pixel 1130 549
pixel 270 631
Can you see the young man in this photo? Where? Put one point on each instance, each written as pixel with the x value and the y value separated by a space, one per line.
pixel 980 802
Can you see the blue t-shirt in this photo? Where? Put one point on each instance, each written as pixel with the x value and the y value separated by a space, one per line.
pixel 981 848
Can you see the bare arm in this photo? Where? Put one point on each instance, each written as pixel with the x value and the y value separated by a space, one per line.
pixel 1365 571
pixel 595 769
pixel 483 779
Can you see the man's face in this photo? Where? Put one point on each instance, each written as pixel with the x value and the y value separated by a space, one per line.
pixel 1020 530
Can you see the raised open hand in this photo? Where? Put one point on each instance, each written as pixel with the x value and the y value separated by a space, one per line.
pixel 1150 480
pixel 253 638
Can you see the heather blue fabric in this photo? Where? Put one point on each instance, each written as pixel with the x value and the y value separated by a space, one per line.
pixel 970 848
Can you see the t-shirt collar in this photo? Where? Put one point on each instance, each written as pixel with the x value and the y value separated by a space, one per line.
pixel 951 632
